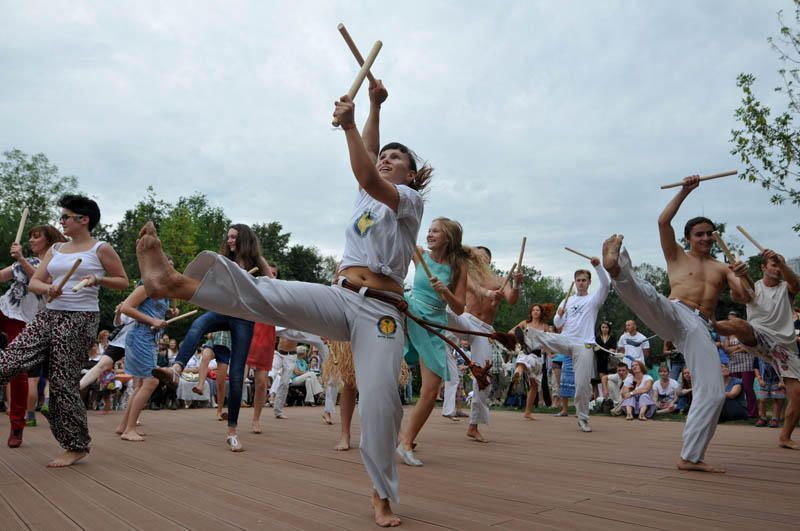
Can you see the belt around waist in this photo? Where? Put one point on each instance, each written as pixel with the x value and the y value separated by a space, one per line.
pixel 694 310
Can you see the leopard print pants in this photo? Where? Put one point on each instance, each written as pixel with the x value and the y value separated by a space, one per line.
pixel 64 337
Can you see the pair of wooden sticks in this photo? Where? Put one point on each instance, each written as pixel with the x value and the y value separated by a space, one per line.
pixel 365 65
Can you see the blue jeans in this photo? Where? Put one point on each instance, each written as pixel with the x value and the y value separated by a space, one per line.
pixel 241 335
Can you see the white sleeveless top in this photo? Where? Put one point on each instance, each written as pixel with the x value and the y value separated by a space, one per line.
pixel 86 299
pixel 772 309
pixel 381 239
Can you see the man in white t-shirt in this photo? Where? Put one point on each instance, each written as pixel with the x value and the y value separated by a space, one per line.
pixel 769 332
pixel 633 344
pixel 576 318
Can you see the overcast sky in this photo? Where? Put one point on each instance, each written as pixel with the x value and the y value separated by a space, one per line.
pixel 552 120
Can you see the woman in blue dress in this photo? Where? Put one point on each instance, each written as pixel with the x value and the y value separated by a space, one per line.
pixel 447 260
pixel 141 351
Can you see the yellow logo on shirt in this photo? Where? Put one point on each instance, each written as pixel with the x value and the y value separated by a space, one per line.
pixel 364 223
pixel 387 326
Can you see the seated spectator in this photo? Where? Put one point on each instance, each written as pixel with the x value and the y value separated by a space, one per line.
pixel 770 387
pixel 614 384
pixel 302 376
pixel 735 407
pixel 188 380
pixel 685 391
pixel 666 392
pixel 637 392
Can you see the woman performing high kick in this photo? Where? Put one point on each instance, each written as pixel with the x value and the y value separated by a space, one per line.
pixel 447 261
pixel 363 307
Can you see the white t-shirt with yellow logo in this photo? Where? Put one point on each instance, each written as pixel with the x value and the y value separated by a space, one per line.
pixel 381 239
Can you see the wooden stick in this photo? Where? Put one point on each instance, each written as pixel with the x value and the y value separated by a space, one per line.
pixel 728 254
pixel 253 271
pixel 182 316
pixel 752 240
pixel 357 82
pixel 22 221
pixel 421 261
pixel 566 299
pixel 508 277
pixel 522 252
pixel 66 277
pixel 353 48
pixel 704 178
pixel 80 285
pixel 579 253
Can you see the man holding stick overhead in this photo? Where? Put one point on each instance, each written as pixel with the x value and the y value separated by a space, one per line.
pixel 65 329
pixel 484 292
pixel 576 318
pixel 696 280
pixel 769 332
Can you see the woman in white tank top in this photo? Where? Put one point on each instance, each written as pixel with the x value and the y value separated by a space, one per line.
pixel 65 330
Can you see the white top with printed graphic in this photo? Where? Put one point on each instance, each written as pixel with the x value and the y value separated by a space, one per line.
pixel 381 239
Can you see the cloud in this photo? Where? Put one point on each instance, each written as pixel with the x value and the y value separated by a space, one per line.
pixel 553 120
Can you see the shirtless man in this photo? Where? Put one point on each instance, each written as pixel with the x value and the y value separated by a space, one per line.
pixel 696 279
pixel 769 332
pixel 483 301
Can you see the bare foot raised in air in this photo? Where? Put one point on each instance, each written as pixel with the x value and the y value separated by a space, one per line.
pixel 159 277
pixel 699 466
pixel 326 418
pixel 788 444
pixel 384 516
pixel 68 458
pixel 611 249
pixel 343 445
pixel 475 435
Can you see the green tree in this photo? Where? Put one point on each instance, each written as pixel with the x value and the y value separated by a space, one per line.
pixel 33 182
pixel 766 144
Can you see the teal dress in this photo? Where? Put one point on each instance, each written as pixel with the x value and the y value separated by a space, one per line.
pixel 426 303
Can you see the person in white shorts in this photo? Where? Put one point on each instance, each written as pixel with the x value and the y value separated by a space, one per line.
pixel 696 280
pixel 769 332
pixel 363 307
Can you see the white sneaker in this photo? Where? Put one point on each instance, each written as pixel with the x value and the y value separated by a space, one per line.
pixel 583 425
pixel 408 456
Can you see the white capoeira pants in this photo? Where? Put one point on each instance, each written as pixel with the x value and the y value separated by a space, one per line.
pixel 331 394
pixel 480 351
pixel 283 365
pixel 582 361
pixel 374 329
pixel 690 332
pixel 450 387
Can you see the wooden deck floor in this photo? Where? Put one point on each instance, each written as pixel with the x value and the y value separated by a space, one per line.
pixel 534 475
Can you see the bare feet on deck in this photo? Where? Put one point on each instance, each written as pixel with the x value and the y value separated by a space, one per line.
pixel 529 416
pixel 611 249
pixel 120 431
pixel 789 444
pixel 326 418
pixel 698 467
pixel 475 435
pixel 256 426
pixel 384 516
pixel 343 445
pixel 158 276
pixel 68 458
pixel 131 436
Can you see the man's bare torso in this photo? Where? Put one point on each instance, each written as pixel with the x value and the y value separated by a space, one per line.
pixel 697 281
pixel 478 304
